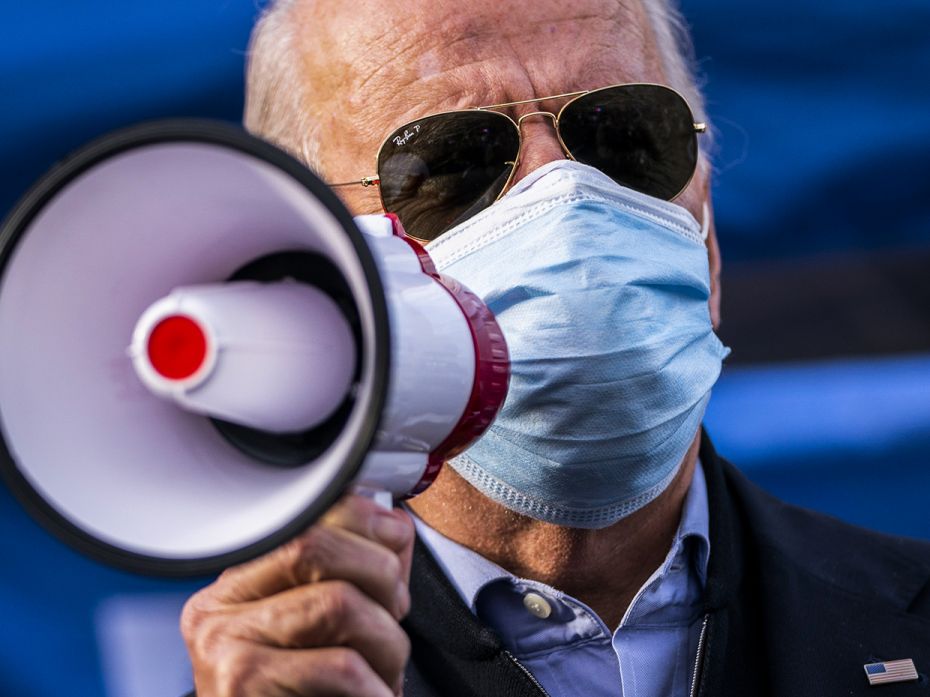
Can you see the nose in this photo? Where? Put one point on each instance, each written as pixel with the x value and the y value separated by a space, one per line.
pixel 540 143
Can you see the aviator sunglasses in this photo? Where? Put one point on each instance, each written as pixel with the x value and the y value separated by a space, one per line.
pixel 440 170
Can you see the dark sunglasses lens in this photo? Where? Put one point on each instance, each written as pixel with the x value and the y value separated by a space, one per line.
pixel 441 170
pixel 642 136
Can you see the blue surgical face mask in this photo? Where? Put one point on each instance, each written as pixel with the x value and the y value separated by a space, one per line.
pixel 602 295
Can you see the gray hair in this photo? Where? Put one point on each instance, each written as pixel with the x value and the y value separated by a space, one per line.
pixel 275 93
pixel 673 38
pixel 276 96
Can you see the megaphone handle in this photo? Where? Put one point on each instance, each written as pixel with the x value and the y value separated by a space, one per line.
pixel 383 498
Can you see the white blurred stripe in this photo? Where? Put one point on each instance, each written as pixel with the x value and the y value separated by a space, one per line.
pixel 141 650
pixel 800 411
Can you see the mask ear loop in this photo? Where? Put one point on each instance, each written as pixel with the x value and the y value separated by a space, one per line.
pixel 705 225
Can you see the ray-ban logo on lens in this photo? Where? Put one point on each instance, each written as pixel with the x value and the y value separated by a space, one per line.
pixel 401 141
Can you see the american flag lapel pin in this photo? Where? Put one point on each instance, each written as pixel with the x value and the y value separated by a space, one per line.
pixel 890 671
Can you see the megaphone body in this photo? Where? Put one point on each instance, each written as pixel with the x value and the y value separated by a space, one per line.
pixel 200 350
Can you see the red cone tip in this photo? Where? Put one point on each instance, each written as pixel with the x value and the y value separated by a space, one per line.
pixel 177 347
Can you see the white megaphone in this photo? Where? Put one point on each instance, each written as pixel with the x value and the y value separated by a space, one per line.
pixel 200 350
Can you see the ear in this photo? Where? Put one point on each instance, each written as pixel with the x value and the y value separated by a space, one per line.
pixel 697 198
pixel 715 263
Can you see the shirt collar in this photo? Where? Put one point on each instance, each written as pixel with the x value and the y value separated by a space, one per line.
pixel 469 572
pixel 466 570
pixel 695 522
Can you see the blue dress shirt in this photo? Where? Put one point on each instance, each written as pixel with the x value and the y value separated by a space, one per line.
pixel 565 645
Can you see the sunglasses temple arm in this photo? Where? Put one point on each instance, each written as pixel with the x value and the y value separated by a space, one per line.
pixel 364 181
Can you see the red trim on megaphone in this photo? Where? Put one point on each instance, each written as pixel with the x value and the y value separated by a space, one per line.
pixel 492 376
pixel 426 261
pixel 492 366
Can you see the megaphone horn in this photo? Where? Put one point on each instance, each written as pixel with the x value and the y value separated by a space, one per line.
pixel 201 350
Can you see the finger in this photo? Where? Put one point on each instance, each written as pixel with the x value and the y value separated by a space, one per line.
pixel 333 613
pixel 266 672
pixel 336 672
pixel 392 528
pixel 320 554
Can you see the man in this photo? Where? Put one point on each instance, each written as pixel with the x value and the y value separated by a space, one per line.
pixel 661 573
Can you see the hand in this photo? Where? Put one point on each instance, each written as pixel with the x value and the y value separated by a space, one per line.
pixel 317 616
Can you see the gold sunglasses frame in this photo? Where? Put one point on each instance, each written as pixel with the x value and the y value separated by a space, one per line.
pixel 375 180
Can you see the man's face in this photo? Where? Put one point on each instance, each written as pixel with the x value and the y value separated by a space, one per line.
pixel 373 65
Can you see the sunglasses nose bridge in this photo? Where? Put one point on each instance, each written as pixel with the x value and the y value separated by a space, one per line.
pixel 549 115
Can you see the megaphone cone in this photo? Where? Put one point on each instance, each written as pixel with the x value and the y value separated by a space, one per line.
pixel 200 350
pixel 279 357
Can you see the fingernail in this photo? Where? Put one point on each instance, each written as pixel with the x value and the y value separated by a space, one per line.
pixel 391 530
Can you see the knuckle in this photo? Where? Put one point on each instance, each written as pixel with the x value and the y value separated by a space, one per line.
pixel 279 624
pixel 268 615
pixel 210 640
pixel 343 610
pixel 350 669
pixel 229 579
pixel 236 672
pixel 201 628
pixel 340 603
pixel 192 616
pixel 305 556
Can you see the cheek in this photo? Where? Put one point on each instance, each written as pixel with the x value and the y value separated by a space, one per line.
pixel 360 200
pixel 693 197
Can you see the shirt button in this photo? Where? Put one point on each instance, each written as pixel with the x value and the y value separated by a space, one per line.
pixel 537 605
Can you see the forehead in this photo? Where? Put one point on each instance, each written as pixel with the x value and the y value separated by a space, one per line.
pixel 371 66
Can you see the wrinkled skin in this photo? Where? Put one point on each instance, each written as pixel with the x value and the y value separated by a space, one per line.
pixel 319 616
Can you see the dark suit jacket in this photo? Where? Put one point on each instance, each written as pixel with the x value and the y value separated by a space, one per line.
pixel 796 603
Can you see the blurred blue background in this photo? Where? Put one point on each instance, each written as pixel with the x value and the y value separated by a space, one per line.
pixel 822 193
